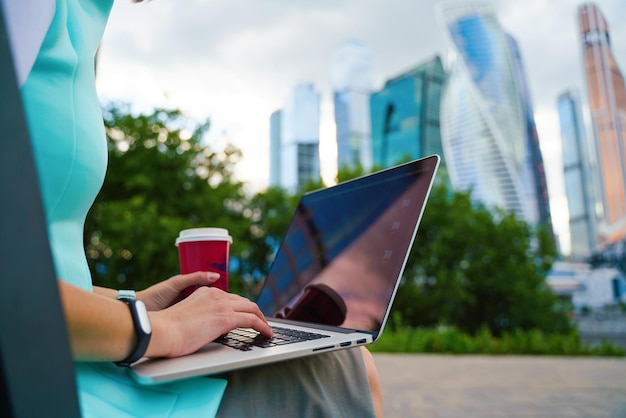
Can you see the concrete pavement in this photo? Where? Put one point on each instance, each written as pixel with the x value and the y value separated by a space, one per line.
pixel 416 385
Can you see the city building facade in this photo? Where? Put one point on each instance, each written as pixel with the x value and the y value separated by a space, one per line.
pixel 405 115
pixel 275 148
pixel 586 287
pixel 607 106
pixel 578 178
pixel 534 182
pixel 352 67
pixel 299 138
pixel 484 116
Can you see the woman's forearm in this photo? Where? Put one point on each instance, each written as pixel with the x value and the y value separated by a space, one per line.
pixel 105 291
pixel 100 328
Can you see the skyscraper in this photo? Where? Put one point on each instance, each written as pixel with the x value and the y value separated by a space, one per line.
pixel 405 115
pixel 484 116
pixel 607 105
pixel 299 138
pixel 578 177
pixel 275 146
pixel 352 85
pixel 534 180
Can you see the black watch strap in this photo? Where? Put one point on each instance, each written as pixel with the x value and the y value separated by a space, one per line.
pixel 143 330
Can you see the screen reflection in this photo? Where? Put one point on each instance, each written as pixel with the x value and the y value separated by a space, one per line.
pixel 346 246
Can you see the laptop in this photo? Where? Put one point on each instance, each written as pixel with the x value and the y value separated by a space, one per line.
pixel 333 279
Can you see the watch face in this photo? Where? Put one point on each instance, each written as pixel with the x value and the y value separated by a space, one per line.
pixel 142 314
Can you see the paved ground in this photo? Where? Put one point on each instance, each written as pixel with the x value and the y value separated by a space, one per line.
pixel 494 386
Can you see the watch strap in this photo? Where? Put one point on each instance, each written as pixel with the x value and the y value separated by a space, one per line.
pixel 143 331
pixel 126 294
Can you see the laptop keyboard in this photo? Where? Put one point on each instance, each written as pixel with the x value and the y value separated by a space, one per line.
pixel 245 338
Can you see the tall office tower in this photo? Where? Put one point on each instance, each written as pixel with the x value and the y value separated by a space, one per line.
pixel 352 66
pixel 405 115
pixel 534 180
pixel 607 106
pixel 579 181
pixel 299 134
pixel 484 127
pixel 275 143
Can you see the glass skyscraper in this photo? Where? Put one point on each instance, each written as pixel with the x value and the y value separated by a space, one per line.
pixel 352 66
pixel 485 114
pixel 533 173
pixel 405 115
pixel 577 163
pixel 299 138
pixel 607 106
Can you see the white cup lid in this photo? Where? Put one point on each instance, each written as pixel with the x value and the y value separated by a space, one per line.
pixel 203 234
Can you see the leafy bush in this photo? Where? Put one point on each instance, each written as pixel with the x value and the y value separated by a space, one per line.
pixel 450 340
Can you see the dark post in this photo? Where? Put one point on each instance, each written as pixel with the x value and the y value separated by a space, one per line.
pixel 36 369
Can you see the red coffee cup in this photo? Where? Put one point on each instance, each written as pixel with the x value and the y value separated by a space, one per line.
pixel 204 249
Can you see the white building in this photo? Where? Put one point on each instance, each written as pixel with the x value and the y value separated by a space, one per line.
pixel 299 138
pixel 275 146
pixel 586 287
pixel 484 125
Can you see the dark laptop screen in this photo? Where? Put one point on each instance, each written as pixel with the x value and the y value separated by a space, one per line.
pixel 342 257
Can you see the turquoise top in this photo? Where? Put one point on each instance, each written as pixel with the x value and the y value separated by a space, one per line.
pixel 65 122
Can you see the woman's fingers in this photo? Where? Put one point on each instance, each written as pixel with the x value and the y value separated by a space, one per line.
pixel 203 317
pixel 249 320
pixel 168 292
pixel 248 315
pixel 234 304
pixel 199 278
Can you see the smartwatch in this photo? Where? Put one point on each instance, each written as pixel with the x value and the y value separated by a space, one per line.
pixel 141 321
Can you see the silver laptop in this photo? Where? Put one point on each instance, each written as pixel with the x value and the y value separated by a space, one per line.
pixel 333 279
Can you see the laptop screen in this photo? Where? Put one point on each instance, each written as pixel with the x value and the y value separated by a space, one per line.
pixel 344 252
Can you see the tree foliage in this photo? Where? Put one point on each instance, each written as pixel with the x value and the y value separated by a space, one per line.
pixel 470 267
pixel 160 179
pixel 269 213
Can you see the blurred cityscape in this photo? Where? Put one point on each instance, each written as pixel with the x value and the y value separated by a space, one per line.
pixel 473 107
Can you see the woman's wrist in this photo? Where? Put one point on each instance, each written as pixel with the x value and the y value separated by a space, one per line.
pixel 160 336
pixel 100 328
pixel 105 291
pixel 141 295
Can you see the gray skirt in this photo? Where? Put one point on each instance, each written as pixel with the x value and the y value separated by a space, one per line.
pixel 325 385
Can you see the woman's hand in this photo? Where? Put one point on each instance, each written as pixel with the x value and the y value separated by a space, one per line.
pixel 181 327
pixel 199 319
pixel 101 328
pixel 168 292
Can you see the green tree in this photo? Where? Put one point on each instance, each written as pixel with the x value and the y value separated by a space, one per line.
pixel 472 267
pixel 160 179
pixel 268 213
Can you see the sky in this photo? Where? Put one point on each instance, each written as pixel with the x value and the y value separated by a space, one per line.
pixel 236 62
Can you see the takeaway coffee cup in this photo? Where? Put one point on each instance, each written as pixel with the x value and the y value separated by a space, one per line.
pixel 204 249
